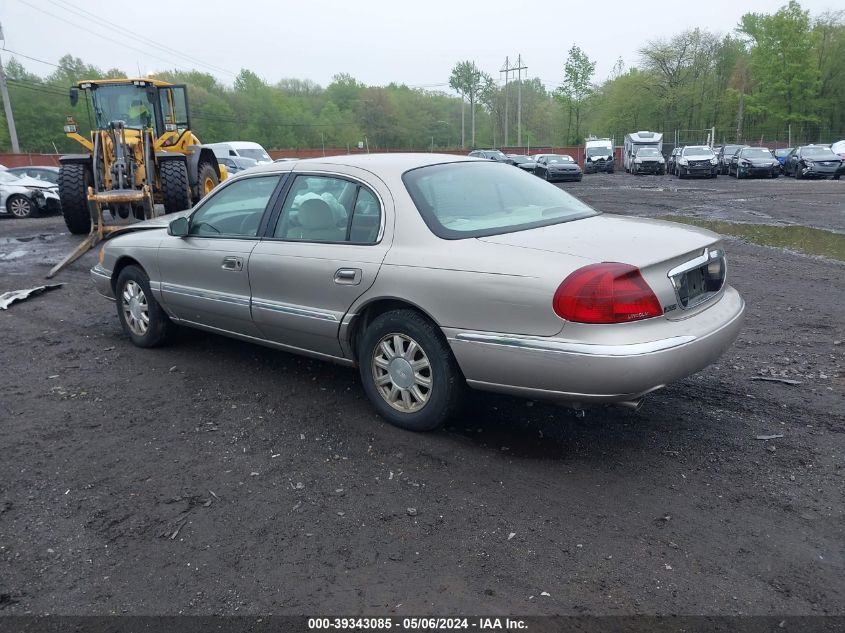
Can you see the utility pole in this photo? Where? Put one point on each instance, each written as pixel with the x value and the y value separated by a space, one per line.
pixel 13 133
pixel 507 71
pixel 519 68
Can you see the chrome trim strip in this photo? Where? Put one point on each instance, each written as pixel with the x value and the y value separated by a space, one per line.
pixel 205 294
pixel 101 272
pixel 295 311
pixel 569 347
pixel 692 264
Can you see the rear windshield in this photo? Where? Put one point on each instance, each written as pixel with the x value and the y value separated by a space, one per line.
pixel 255 154
pixel 460 200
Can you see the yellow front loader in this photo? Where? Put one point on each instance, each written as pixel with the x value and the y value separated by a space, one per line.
pixel 141 152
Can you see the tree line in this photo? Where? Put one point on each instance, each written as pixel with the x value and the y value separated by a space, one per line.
pixel 778 76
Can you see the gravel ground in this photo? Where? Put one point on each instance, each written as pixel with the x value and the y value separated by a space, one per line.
pixel 215 477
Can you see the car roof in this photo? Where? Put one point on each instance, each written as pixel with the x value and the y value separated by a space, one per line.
pixel 393 164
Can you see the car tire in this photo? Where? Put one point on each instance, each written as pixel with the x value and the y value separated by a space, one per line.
pixel 140 315
pixel 175 190
pixel 412 404
pixel 20 206
pixel 74 180
pixel 798 175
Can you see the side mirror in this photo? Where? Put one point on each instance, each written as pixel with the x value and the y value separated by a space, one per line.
pixel 74 96
pixel 179 227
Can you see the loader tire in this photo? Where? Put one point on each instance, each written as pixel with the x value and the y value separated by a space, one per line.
pixel 175 191
pixel 74 180
pixel 207 180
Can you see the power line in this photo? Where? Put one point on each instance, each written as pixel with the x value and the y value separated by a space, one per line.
pixel 105 37
pixel 35 59
pixel 79 11
pixel 38 87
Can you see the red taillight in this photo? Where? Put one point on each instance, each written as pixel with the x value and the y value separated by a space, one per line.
pixel 606 293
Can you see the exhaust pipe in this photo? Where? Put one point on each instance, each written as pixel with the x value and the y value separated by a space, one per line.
pixel 633 405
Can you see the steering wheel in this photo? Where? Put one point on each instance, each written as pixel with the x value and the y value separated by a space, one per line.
pixel 246 228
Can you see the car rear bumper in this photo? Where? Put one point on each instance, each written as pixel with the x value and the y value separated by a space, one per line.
pixel 560 369
pixel 102 281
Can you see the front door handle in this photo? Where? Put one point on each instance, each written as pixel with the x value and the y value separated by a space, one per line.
pixel 233 263
pixel 348 276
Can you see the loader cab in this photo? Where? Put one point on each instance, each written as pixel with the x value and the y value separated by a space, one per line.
pixel 140 105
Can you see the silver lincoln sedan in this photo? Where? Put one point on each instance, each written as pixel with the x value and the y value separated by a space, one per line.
pixel 432 273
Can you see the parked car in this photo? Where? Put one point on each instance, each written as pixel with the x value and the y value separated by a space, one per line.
pixel 537 294
pixel 45 173
pixel 553 167
pixel 648 160
pixel 812 161
pixel 24 197
pixel 523 162
pixel 696 160
pixel 235 164
pixel 673 159
pixel 754 161
pixel 492 154
pixel 724 156
pixel 781 155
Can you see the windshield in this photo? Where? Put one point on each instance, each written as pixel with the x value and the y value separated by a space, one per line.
pixel 521 160
pixel 821 153
pixel 648 151
pixel 756 152
pixel 460 200
pixel 598 151
pixel 255 154
pixel 783 152
pixel 123 103
pixel 730 150
pixel 560 159
pixel 702 152
pixel 8 179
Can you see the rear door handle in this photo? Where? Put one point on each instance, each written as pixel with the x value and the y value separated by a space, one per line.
pixel 233 263
pixel 348 276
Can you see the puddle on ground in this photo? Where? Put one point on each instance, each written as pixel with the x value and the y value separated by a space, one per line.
pixel 797 238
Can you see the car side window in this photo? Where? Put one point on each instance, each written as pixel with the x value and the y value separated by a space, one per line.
pixel 328 209
pixel 235 210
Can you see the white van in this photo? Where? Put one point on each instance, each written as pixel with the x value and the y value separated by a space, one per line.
pixel 244 149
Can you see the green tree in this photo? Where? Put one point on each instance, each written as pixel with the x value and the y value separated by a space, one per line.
pixel 781 46
pixel 577 86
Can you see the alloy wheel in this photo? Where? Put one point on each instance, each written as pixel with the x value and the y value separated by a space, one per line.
pixel 20 207
pixel 136 310
pixel 402 372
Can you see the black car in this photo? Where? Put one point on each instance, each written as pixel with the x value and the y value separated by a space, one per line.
pixel 812 161
pixel 726 153
pixel 557 167
pixel 49 174
pixel 754 161
pixel 696 160
pixel 523 162
pixel 492 154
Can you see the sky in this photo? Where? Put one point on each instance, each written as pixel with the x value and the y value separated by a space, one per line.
pixel 376 41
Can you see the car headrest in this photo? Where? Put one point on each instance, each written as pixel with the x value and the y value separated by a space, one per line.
pixel 316 214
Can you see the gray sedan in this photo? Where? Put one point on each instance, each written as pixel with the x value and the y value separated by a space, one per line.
pixel 432 273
